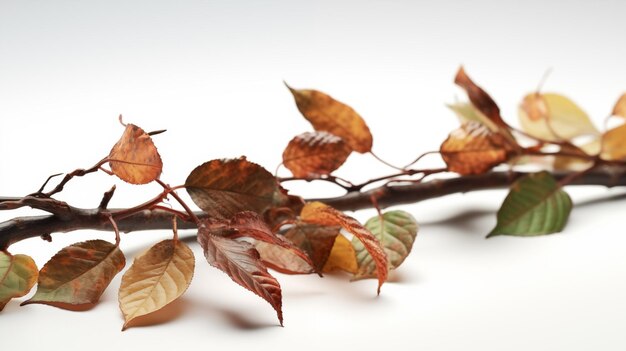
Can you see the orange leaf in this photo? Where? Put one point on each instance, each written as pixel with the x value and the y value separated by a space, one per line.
pixel 474 149
pixel 282 260
pixel 620 107
pixel 314 154
pixel 76 276
pixel 330 115
pixel 479 98
pixel 243 265
pixel 614 143
pixel 223 188
pixel 134 158
pixel 318 213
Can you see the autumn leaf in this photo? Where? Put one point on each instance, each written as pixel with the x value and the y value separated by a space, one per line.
pixel 480 99
pixel 18 274
pixel 396 230
pixel 222 188
pixel 243 265
pixel 76 276
pixel 342 256
pixel 474 149
pixel 620 107
pixel 282 260
pixel 553 117
pixel 314 154
pixel 250 225
pixel 134 158
pixel 316 240
pixel 330 115
pixel 156 278
pixel 318 213
pixel 586 150
pixel 614 143
pixel 535 205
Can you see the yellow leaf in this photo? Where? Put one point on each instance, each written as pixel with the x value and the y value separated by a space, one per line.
pixel 554 117
pixel 466 112
pixel 156 278
pixel 342 257
pixel 614 143
pixel 620 107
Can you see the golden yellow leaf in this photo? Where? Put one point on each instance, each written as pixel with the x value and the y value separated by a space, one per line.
pixel 342 257
pixel 330 115
pixel 614 143
pixel 554 117
pixel 156 278
pixel 620 107
pixel 474 149
pixel 134 158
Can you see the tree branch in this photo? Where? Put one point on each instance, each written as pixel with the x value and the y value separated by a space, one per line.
pixel 73 218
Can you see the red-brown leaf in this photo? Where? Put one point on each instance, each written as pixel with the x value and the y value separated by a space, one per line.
pixel 318 213
pixel 251 225
pixel 474 149
pixel 223 188
pixel 243 265
pixel 134 158
pixel 315 154
pixel 479 98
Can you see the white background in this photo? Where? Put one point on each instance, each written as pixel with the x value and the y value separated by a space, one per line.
pixel 211 73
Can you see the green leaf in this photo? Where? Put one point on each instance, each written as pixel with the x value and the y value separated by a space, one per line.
pixel 536 205
pixel 396 231
pixel 18 274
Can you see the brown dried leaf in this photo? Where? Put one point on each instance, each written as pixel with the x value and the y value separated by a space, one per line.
pixel 251 225
pixel 134 158
pixel 315 154
pixel 76 276
pixel 223 188
pixel 474 149
pixel 342 257
pixel 330 115
pixel 620 107
pixel 479 98
pixel 18 274
pixel 614 143
pixel 156 278
pixel 316 240
pixel 243 265
pixel 282 260
pixel 318 213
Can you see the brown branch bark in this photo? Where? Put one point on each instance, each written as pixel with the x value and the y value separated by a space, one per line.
pixel 72 218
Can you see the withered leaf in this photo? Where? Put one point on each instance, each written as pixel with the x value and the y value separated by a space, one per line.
pixel 620 107
pixel 330 115
pixel 319 213
pixel 316 240
pixel 315 154
pixel 222 188
pixel 480 99
pixel 241 261
pixel 553 117
pixel 18 274
pixel 282 260
pixel 251 225
pixel 342 257
pixel 396 230
pixel 614 143
pixel 156 278
pixel 76 276
pixel 474 149
pixel 134 158
pixel 466 112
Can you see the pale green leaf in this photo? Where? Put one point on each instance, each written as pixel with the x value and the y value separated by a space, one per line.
pixel 18 274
